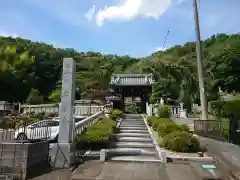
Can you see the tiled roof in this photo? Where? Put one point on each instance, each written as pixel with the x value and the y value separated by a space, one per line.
pixel 132 79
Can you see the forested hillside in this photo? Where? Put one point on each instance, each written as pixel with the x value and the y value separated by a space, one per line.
pixel 26 65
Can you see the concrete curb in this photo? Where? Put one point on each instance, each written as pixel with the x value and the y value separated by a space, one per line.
pixel 162 154
pixel 186 158
pixel 138 160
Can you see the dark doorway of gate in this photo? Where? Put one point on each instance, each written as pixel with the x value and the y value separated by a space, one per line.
pixel 132 108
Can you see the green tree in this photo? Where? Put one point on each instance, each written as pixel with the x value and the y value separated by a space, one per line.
pixel 34 97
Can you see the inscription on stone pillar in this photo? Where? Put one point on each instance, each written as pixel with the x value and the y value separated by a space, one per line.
pixel 67 101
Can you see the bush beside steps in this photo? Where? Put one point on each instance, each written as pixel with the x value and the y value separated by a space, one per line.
pixel 96 137
pixel 181 141
pixel 115 114
pixel 172 136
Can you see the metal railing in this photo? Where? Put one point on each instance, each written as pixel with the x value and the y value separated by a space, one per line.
pixel 22 128
pixel 6 177
pixel 216 129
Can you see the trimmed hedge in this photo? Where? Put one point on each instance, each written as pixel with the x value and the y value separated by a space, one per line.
pixel 225 108
pixel 174 136
pixel 165 129
pixel 116 113
pixel 151 120
pixel 181 142
pixel 154 121
pixel 96 136
pixel 164 111
pixel 161 121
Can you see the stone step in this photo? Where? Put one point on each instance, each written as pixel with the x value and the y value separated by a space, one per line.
pixel 133 119
pixel 134 131
pixel 134 139
pixel 132 128
pixel 132 135
pixel 121 144
pixel 133 151
pixel 131 123
pixel 138 158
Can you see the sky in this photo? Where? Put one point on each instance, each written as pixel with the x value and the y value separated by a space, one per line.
pixel 124 27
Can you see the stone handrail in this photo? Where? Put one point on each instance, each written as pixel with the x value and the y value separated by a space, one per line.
pixel 80 126
pixel 79 110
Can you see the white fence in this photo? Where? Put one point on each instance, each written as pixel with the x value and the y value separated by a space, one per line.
pixel 80 126
pixel 87 110
pixel 80 110
pixel 48 108
pixel 176 111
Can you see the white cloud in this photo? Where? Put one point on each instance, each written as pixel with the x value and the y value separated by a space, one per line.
pixel 8 34
pixel 163 48
pixel 160 49
pixel 130 9
pixel 91 12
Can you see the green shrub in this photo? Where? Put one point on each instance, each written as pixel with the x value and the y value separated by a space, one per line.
pixel 103 125
pixel 167 128
pixel 116 113
pixel 39 115
pixel 5 122
pixel 97 135
pixel 184 127
pixel 93 137
pixel 151 120
pixel 164 112
pixel 31 114
pixel 160 121
pixel 225 108
pixel 51 114
pixel 131 108
pixel 181 142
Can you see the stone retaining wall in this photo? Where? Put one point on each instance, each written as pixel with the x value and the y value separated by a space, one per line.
pixel 20 159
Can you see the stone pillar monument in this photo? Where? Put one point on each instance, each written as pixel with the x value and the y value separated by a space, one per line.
pixel 63 152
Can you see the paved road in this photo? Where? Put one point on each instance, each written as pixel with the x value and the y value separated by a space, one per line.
pixel 187 121
pixel 63 174
pixel 226 154
pixel 95 170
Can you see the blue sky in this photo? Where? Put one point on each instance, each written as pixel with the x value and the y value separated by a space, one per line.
pixel 133 27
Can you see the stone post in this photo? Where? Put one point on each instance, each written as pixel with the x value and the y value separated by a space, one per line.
pixel 63 152
pixel 162 102
pixel 181 105
pixel 149 109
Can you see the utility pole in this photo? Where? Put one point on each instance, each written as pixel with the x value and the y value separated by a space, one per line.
pixel 204 109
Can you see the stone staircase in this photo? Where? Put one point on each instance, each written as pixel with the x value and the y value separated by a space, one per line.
pixel 133 141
